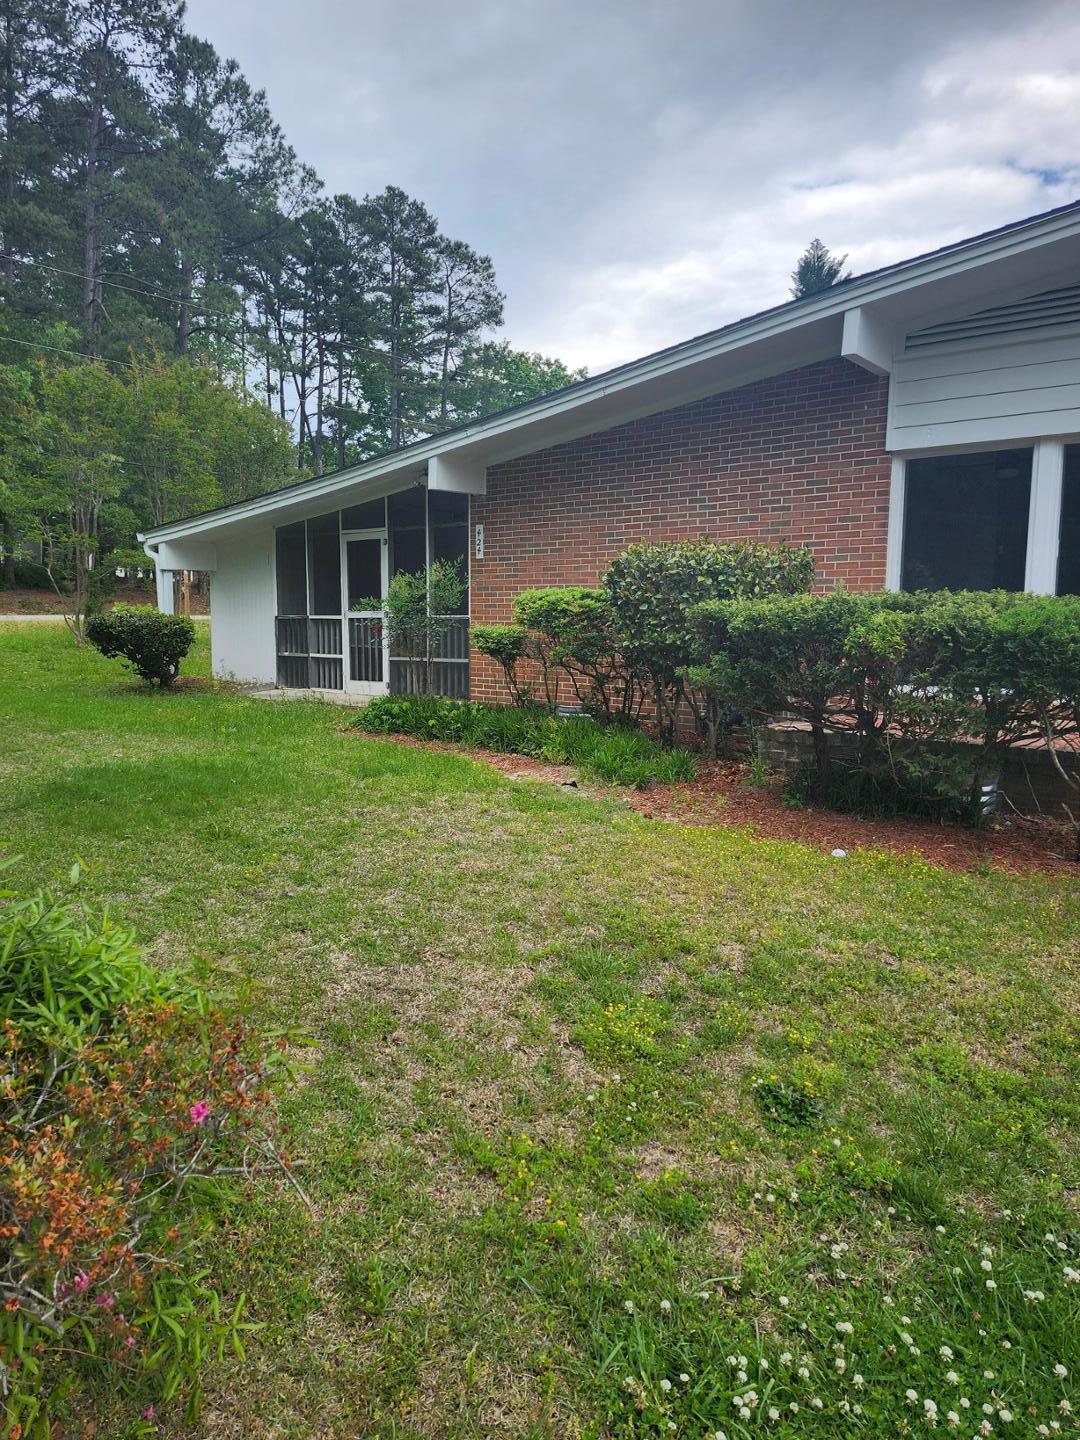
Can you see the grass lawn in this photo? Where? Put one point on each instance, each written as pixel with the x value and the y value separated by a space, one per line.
pixel 612 1127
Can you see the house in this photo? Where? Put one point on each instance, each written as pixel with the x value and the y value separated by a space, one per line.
pixel 916 427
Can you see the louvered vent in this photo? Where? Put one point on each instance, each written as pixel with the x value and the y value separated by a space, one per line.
pixel 1051 309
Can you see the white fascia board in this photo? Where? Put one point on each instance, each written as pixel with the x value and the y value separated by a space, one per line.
pixel 829 304
pixel 457 473
pixel 867 340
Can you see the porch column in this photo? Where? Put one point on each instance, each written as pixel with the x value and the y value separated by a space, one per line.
pixel 165 590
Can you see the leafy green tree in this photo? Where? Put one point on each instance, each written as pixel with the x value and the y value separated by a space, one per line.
pixel 492 376
pixel 417 611
pixel 81 471
pixel 818 269
pixel 470 302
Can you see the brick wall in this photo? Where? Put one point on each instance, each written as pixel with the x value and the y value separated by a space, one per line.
pixel 798 458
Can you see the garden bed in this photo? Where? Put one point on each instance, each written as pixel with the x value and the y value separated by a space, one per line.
pixel 722 794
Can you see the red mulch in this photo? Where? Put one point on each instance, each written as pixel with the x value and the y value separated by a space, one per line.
pixel 720 795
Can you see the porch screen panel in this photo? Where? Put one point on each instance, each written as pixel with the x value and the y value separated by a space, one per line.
pixel 324 565
pixel 291 570
pixel 371 515
pixel 448 518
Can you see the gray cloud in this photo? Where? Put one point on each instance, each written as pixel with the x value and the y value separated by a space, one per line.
pixel 642 171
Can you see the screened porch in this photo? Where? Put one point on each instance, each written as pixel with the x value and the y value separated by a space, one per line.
pixel 332 572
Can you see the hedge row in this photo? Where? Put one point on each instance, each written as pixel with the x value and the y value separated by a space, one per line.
pixel 615 754
pixel 934 686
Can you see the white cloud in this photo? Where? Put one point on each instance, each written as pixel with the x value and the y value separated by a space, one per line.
pixel 644 170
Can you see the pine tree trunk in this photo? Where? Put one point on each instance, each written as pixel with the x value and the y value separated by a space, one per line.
pixel 183 323
pixel 92 233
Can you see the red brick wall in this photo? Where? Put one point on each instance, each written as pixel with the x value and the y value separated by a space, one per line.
pixel 798 458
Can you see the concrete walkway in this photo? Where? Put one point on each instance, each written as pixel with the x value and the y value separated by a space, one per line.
pixel 36 618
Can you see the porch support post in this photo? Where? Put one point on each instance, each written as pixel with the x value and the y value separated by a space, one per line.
pixel 165 590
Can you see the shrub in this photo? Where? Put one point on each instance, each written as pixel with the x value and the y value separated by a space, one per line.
pixel 417 611
pixel 572 630
pixel 119 1084
pixel 933 686
pixel 652 590
pixel 613 754
pixel 505 644
pixel 151 643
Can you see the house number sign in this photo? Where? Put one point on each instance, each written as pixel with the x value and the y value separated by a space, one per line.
pixel 479 542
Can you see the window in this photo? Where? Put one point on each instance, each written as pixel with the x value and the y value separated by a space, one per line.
pixel 291 570
pixel 1068 566
pixel 324 565
pixel 966 521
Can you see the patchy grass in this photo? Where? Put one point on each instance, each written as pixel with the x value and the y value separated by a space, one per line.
pixel 592 1103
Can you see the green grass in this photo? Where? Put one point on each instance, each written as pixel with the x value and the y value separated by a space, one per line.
pixel 590 1102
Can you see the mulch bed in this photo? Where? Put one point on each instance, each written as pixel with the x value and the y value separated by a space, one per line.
pixel 721 795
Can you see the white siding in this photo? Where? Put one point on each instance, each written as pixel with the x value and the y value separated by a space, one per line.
pixel 1020 385
pixel 242 609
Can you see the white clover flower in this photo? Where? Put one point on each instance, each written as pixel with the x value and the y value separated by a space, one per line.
pixel 856 1409
pixel 720 1435
pixel 628 1306
pixel 1072 1277
pixel 952 1377
pixel 911 1396
pixel 888 1300
pixel 785 1357
pixel 804 1373
pixel 940 1229
pixel 965 1403
pixel 953 1418
pixel 684 1379
pixel 986 1250
pixel 841 1366
pixel 844 1407
pixel 1060 1371
pixel 774 1413
pixel 858 1381
pixel 930 1407
pixel 763 1364
pixel 945 1353
pixel 989 1375
pixel 986 1428
pixel 744 1413
pixel 741 1377
pixel 906 1338
pixel 1005 1416
pixel 785 1301
pixel 817 1404
pixel 743 1362
pixel 665 1306
pixel 987 1409
pixel 1044 1429
pixel 1065 1407
pixel 845 1327
pixel 794 1407
pixel 991 1284
pixel 1006 1344
pixel 665 1385
pixel 770 1198
pixel 986 1264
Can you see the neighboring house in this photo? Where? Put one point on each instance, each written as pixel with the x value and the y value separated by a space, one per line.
pixel 917 427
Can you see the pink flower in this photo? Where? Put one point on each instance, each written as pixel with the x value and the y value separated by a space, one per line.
pixel 199 1111
pixel 81 1281
pixel 105 1301
pixel 148 1413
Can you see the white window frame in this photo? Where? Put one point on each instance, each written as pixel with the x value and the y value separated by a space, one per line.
pixel 1044 513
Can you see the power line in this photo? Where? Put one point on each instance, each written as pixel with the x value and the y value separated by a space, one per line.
pixel 56 350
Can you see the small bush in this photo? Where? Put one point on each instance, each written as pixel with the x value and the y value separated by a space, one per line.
pixel 151 643
pixel 613 754
pixel 505 644
pixel 119 1085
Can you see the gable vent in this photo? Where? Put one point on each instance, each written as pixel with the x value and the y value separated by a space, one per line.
pixel 1038 312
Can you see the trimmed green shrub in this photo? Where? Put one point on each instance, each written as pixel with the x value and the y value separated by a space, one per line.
pixel 652 590
pixel 505 644
pixel 151 643
pixel 615 754
pixel 933 686
pixel 572 631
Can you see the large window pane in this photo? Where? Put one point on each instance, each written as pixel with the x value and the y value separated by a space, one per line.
pixel 966 521
pixel 324 565
pixel 1068 575
pixel 445 507
pixel 291 570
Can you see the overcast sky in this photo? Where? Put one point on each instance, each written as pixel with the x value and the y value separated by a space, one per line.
pixel 640 172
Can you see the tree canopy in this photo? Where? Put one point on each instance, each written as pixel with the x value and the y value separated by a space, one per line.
pixel 818 269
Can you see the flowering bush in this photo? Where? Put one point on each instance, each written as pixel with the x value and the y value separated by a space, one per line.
pixel 119 1086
